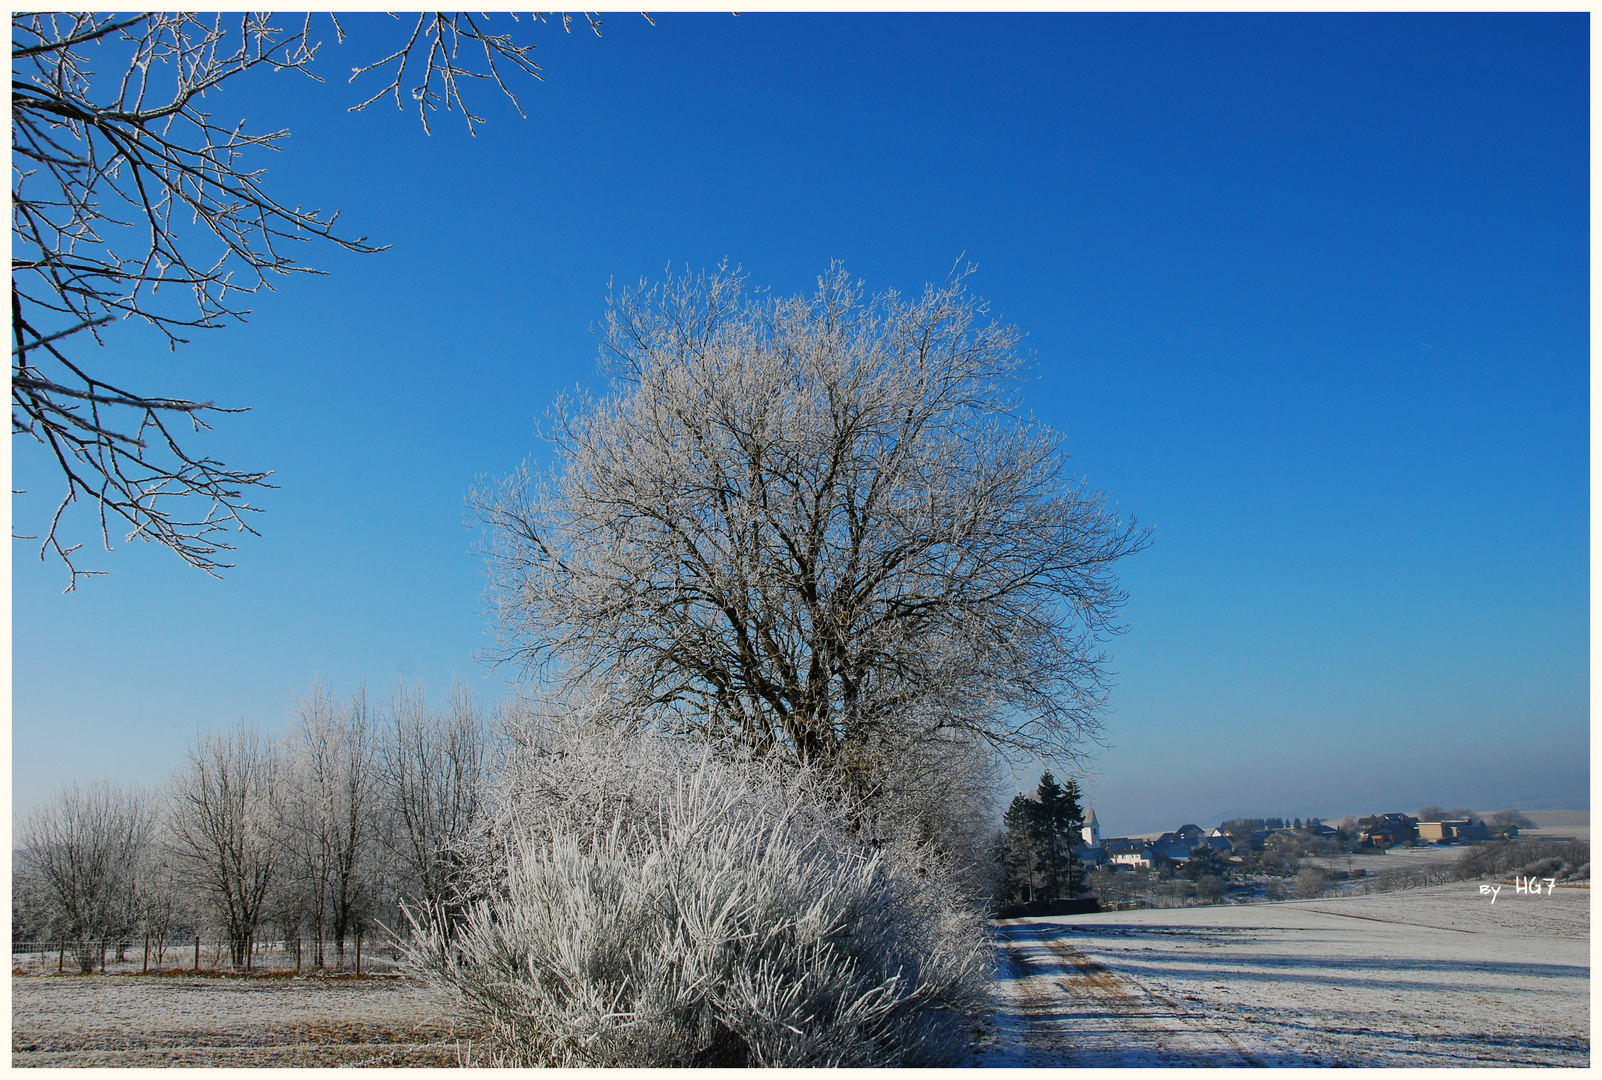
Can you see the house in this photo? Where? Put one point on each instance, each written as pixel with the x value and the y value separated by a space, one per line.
pixel 1283 840
pixel 1387 830
pixel 1176 846
pixel 1091 856
pixel 1129 851
pixel 1173 846
pixel 1462 831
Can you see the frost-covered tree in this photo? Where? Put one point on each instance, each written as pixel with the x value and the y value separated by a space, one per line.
pixel 226 809
pixel 81 852
pixel 434 768
pixel 1503 820
pixel 814 528
pixel 332 816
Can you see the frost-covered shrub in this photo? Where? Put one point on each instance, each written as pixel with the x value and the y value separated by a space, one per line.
pixel 1550 867
pixel 1311 882
pixel 1561 859
pixel 656 910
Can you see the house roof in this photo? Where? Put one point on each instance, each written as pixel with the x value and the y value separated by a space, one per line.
pixel 1124 844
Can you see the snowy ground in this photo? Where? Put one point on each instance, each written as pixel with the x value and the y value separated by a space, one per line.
pixel 1554 823
pixel 1435 976
pixel 132 1020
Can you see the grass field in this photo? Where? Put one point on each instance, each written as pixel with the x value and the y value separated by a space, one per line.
pixel 134 1020
pixel 1433 976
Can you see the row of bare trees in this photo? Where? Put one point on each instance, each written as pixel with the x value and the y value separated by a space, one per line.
pixel 348 821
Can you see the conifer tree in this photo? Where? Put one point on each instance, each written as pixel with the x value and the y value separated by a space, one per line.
pixel 1071 817
pixel 1019 854
pixel 1037 857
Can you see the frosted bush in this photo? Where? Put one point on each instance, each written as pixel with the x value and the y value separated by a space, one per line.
pixel 655 911
pixel 1562 859
pixel 1311 882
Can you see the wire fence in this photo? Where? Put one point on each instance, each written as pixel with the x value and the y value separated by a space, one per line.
pixel 200 955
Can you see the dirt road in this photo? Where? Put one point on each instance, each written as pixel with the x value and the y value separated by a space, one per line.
pixel 1077 1012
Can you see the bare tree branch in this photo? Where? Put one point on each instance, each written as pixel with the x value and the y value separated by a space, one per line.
pixel 814 527
pixel 130 201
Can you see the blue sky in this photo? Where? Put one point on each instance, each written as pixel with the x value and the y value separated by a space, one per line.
pixel 1308 294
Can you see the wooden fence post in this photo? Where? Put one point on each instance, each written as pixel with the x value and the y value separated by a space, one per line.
pixel 146 969
pixel 197 954
pixel 358 952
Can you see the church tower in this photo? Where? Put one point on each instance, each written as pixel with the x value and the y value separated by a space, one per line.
pixel 1092 830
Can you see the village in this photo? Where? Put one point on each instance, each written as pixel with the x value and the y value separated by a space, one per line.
pixel 1233 839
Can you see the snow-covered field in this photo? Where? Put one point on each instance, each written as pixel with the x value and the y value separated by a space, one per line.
pixel 1434 976
pixel 132 1020
pixel 1553 823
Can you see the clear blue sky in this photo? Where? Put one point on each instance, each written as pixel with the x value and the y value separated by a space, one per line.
pixel 1308 294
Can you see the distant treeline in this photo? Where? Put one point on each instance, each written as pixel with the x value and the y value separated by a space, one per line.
pixel 1245 825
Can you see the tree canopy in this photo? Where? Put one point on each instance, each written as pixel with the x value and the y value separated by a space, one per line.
pixel 814 526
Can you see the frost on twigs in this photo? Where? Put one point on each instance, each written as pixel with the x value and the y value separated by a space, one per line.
pixel 815 527
pixel 660 908
pixel 132 200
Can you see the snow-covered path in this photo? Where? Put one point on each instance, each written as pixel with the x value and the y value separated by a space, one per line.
pixel 1435 976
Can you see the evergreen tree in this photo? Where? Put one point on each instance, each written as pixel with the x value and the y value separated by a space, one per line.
pixel 1037 856
pixel 1049 841
pixel 1019 852
pixel 1071 816
pixel 1205 862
